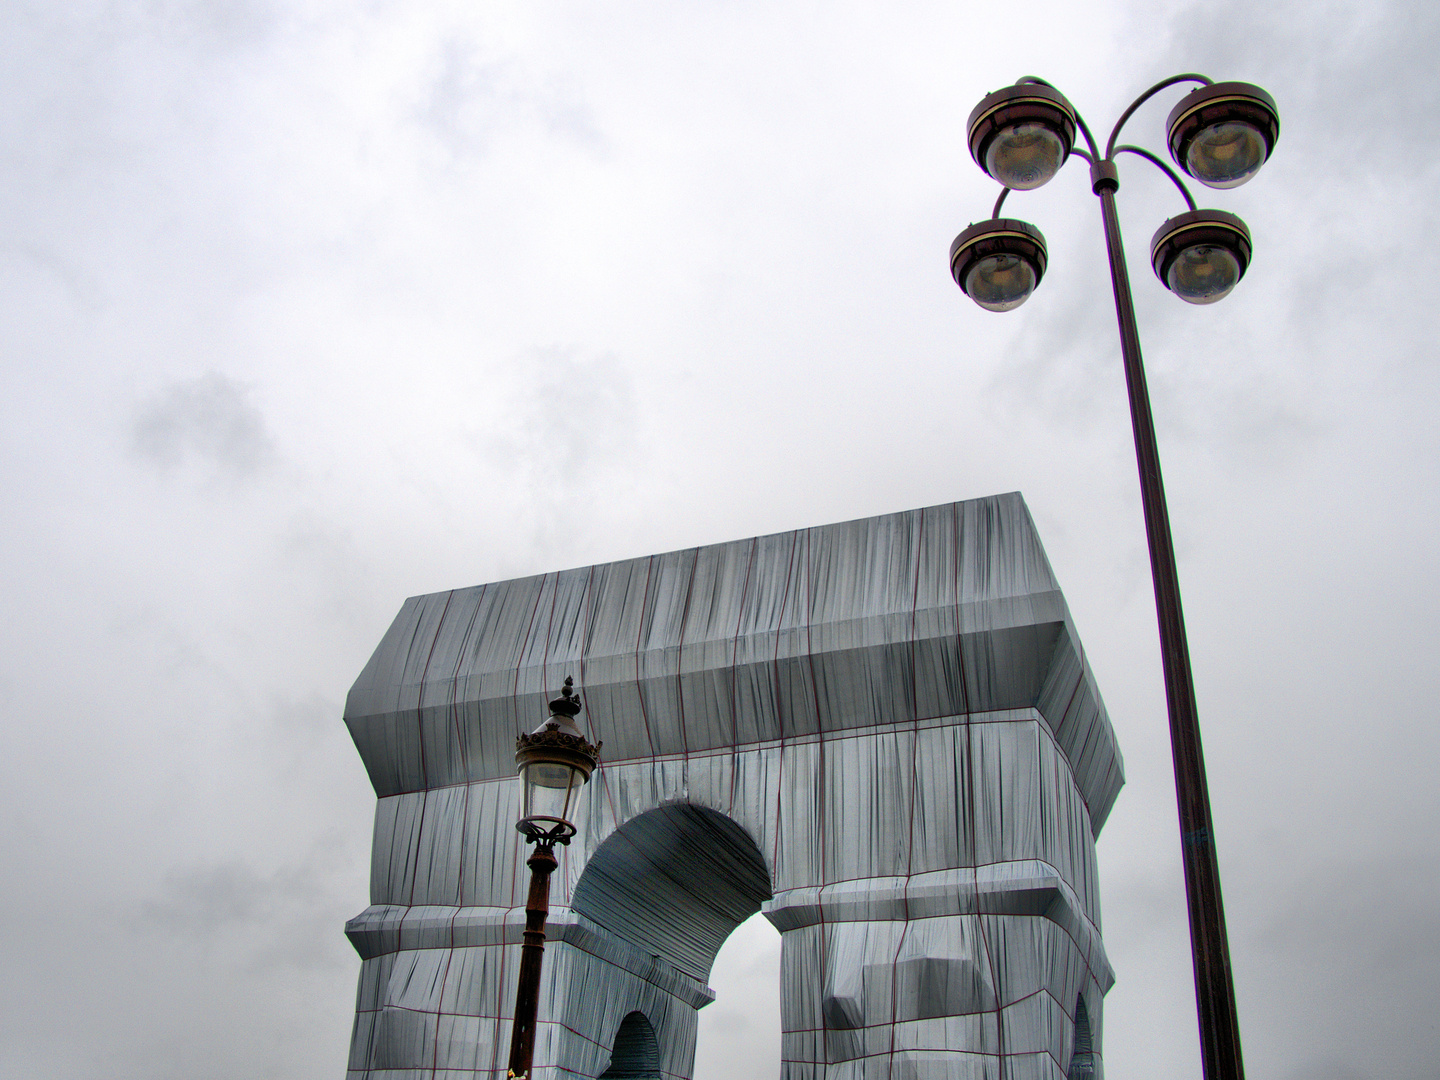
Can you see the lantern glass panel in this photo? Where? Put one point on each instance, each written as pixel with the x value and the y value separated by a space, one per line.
pixel 548 789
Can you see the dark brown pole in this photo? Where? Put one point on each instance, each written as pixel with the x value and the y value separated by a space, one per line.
pixel 532 952
pixel 1214 989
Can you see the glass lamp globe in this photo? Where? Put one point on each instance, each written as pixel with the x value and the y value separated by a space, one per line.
pixel 1021 135
pixel 1203 273
pixel 1227 154
pixel 1200 255
pixel 548 789
pixel 1024 156
pixel 1000 282
pixel 998 263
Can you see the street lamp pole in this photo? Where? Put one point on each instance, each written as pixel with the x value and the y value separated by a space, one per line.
pixel 1220 134
pixel 555 761
pixel 1210 948
pixel 532 953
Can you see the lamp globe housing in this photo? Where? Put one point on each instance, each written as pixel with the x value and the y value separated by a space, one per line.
pixel 1201 255
pixel 554 761
pixel 998 263
pixel 1221 134
pixel 1021 135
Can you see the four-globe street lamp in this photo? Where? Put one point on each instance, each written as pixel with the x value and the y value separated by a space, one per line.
pixel 554 761
pixel 1219 134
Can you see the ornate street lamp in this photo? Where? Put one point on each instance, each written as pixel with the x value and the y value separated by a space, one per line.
pixel 1220 134
pixel 555 762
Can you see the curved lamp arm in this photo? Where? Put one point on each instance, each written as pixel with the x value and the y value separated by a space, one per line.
pixel 1079 120
pixel 1140 151
pixel 1112 151
pixel 1075 152
pixel 1203 80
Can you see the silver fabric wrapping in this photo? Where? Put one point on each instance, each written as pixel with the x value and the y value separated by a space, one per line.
pixel 882 733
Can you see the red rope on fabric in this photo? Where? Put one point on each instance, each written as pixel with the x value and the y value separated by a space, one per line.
pixel 734 657
pixel 680 658
pixel 639 637
pixel 420 737
pixel 464 812
pixel 914 797
pixel 779 712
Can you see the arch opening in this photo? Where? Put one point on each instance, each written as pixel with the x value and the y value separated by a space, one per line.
pixel 674 882
pixel 1082 1058
pixel 636 1053
pixel 739 1033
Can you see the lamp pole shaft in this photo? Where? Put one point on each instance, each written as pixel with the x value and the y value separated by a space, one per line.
pixel 532 952
pixel 1214 988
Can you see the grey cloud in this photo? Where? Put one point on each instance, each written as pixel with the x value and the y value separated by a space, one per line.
pixel 1267 428
pixel 179 174
pixel 454 108
pixel 210 420
pixel 284 918
pixel 1064 357
pixel 205 899
pixel 1352 939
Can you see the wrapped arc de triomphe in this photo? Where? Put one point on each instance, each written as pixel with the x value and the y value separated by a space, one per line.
pixel 883 734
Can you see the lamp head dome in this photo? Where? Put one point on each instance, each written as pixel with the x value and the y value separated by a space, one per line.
pixel 1201 255
pixel 998 263
pixel 1221 134
pixel 1021 135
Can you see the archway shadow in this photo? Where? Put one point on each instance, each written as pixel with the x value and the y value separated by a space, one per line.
pixel 674 882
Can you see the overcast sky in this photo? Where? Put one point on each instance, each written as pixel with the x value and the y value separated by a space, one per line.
pixel 310 307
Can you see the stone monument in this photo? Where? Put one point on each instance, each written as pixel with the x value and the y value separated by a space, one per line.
pixel 882 734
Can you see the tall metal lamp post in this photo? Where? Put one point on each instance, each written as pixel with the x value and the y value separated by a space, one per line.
pixel 1219 134
pixel 555 761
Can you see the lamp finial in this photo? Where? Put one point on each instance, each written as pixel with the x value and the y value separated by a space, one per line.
pixel 568 703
